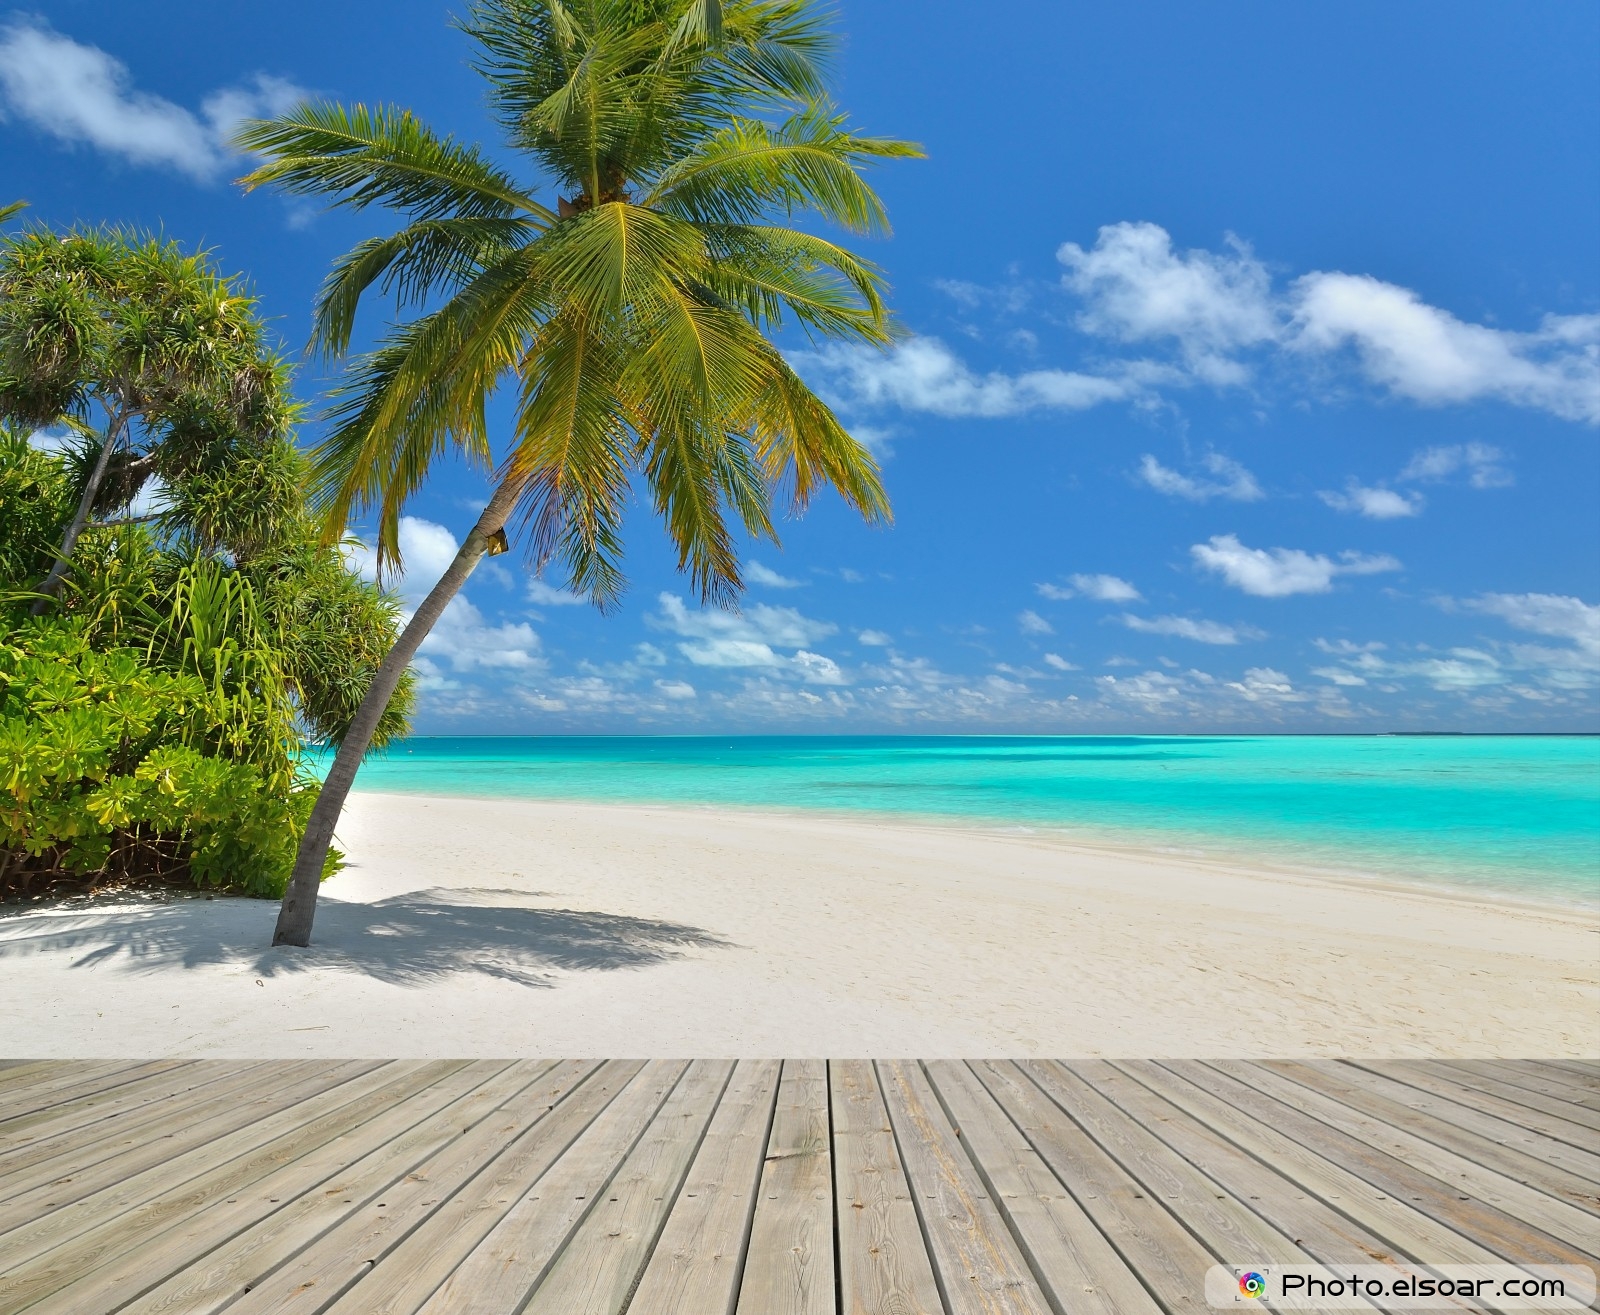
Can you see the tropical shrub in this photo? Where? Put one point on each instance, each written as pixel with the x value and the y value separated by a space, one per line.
pixel 165 662
pixel 115 766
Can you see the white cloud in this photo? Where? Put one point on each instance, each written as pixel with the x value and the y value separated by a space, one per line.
pixel 1482 464
pixel 676 690
pixel 756 573
pixel 1031 623
pixel 547 595
pixel 1426 354
pixel 1214 316
pixel 1135 287
pixel 468 643
pixel 1546 614
pixel 79 93
pixel 1101 588
pixel 426 551
pixel 1183 627
pixel 1058 662
pixel 1377 503
pixel 1229 480
pixel 874 639
pixel 1339 676
pixel 1265 685
pixel 1279 572
pixel 925 375
pixel 751 638
pixel 815 669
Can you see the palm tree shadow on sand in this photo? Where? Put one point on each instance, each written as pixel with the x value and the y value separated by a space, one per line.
pixel 414 939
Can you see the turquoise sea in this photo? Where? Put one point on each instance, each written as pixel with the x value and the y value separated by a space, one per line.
pixel 1517 813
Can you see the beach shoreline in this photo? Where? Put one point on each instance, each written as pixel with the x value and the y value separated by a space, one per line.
pixel 471 926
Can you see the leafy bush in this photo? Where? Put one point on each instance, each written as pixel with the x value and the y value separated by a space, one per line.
pixel 154 709
pixel 115 765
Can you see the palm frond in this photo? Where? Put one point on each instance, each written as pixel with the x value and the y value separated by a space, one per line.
pixel 803 447
pixel 361 156
pixel 811 161
pixel 412 264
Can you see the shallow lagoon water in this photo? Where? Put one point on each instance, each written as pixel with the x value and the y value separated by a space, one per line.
pixel 1520 814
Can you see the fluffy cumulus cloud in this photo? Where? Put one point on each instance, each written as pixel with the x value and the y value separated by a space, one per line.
pixel 754 638
pixel 1426 354
pixel 925 375
pixel 767 578
pixel 426 551
pixel 1185 627
pixel 1217 476
pixel 79 94
pixel 1280 572
pixel 1375 503
pixel 1163 318
pixel 1134 287
pixel 1101 588
pixel 467 642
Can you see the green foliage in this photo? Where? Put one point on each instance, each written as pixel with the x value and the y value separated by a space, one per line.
pixel 632 312
pixel 34 492
pixel 153 722
pixel 139 765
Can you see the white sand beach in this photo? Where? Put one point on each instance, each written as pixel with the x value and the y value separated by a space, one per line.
pixel 513 928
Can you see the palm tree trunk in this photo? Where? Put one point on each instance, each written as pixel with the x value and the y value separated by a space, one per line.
pixel 80 518
pixel 300 900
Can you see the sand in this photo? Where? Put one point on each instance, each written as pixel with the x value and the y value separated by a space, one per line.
pixel 509 928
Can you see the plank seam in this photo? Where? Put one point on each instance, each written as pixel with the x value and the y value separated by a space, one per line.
pixel 916 1202
pixel 677 1189
pixel 995 1199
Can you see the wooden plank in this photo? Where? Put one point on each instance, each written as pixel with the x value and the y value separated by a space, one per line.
pixel 1471 1079
pixel 1485 1102
pixel 1582 1076
pixel 19 1074
pixel 1078 1269
pixel 1521 1074
pixel 1310 1224
pixel 1552 1167
pixel 515 1255
pixel 204 1259
pixel 1411 1232
pixel 434 1251
pixel 75 1080
pixel 1225 1225
pixel 1155 1245
pixel 883 1260
pixel 168 1145
pixel 111 1123
pixel 132 1100
pixel 1450 1187
pixel 398 1188
pixel 789 1264
pixel 977 1263
pixel 697 1261
pixel 596 1271
pixel 1586 1069
pixel 169 1190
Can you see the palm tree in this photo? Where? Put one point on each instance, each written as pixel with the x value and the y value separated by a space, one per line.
pixel 631 317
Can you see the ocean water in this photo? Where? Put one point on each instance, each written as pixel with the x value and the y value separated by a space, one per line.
pixel 1519 814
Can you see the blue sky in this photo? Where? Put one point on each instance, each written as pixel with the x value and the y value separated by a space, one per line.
pixel 1253 382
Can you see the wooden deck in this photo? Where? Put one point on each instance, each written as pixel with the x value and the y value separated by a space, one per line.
pixel 781 1188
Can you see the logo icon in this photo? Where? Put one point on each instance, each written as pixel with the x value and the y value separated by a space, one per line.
pixel 1252 1284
